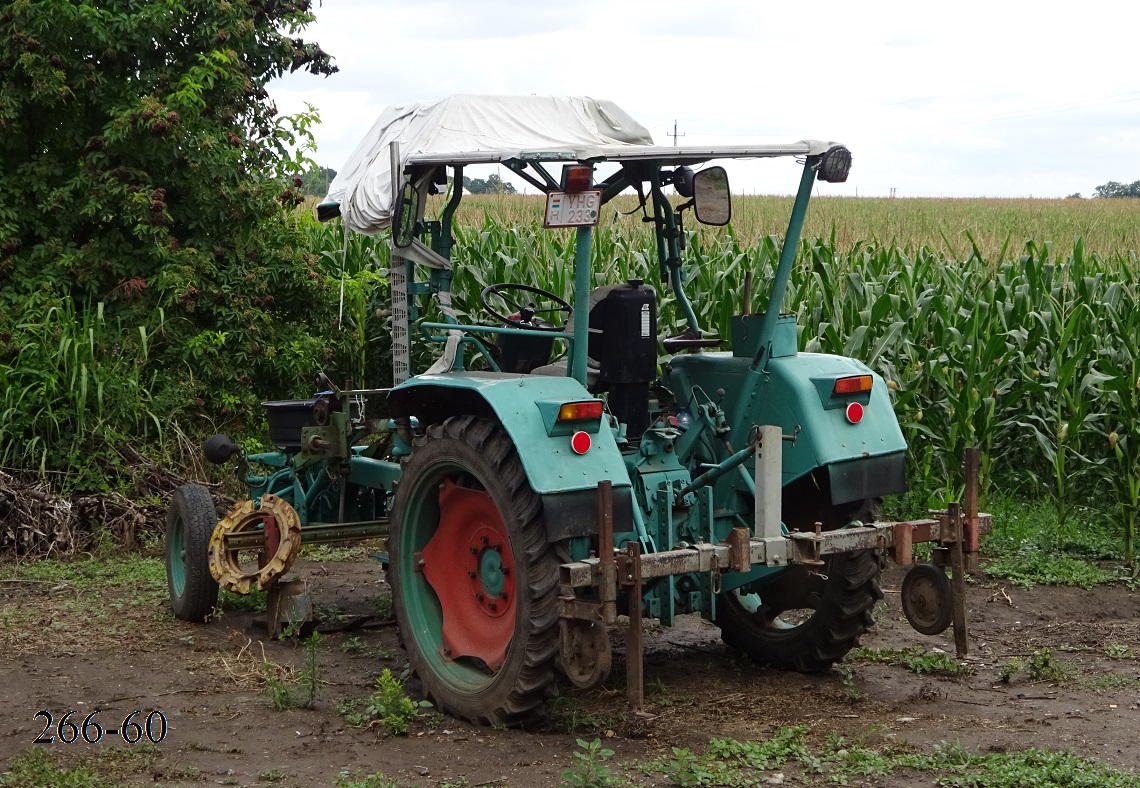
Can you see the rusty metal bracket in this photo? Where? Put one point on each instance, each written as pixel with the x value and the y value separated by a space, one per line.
pixel 739 559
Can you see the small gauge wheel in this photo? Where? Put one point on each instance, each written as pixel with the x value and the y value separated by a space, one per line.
pixel 585 651
pixel 927 599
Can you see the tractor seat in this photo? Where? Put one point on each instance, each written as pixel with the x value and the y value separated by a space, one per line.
pixel 559 368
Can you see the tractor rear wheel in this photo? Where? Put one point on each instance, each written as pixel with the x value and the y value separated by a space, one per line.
pixel 474 580
pixel 803 621
pixel 809 617
pixel 189 524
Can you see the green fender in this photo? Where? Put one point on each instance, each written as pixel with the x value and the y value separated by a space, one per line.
pixel 525 406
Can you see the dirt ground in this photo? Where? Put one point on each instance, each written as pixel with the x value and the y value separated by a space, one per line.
pixel 119 651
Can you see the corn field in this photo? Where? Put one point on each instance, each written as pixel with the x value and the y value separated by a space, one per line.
pixel 1029 349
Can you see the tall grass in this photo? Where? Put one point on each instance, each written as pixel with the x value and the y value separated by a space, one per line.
pixel 73 383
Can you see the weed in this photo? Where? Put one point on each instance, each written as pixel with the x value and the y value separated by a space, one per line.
pixel 104 769
pixel 307 685
pixel 589 769
pixel 850 691
pixel 272 776
pixel 388 705
pixel 1118 651
pixel 383 606
pixel 356 780
pixel 255 601
pixel 36 768
pixel 325 552
pixel 1008 670
pixel 914 659
pixel 737 763
pixel 1044 665
pixel 354 645
pixel 571 713
pixel 391 706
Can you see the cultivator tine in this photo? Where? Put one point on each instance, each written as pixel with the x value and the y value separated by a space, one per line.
pixel 607 569
pixel 634 656
pixel 957 563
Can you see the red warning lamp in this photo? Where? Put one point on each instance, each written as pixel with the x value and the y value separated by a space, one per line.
pixel 577 178
pixel 580 442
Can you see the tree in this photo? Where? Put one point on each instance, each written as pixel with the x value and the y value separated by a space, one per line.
pixel 143 167
pixel 315 181
pixel 1114 189
pixel 492 185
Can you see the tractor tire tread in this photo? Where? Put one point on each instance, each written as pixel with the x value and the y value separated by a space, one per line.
pixel 827 636
pixel 193 504
pixel 526 697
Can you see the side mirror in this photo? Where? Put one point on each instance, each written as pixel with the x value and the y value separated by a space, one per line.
pixel 711 197
pixel 219 448
pixel 404 214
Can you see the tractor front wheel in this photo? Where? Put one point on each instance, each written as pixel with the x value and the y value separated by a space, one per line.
pixel 474 580
pixel 189 524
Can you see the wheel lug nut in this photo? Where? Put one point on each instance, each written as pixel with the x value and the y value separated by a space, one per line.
pixel 506 571
pixel 484 539
pixel 479 597
pixel 471 574
pixel 492 605
pixel 474 551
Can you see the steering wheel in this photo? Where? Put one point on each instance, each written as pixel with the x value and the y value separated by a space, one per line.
pixel 524 312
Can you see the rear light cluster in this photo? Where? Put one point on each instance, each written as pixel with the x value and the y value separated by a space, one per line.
pixel 856 384
pixel 580 441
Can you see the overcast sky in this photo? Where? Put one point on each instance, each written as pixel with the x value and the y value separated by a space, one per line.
pixel 934 99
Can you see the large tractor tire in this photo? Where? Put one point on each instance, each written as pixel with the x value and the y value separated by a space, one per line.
pixel 808 618
pixel 474 580
pixel 189 524
pixel 801 621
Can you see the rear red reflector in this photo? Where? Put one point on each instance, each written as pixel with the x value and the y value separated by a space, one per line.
pixel 852 385
pixel 576 411
pixel 580 442
pixel 854 412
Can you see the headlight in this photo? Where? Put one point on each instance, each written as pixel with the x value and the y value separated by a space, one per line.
pixel 834 165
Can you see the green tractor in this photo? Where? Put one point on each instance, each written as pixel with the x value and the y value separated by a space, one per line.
pixel 529 502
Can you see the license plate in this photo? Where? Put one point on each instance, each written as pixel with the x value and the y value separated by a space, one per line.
pixel 573 209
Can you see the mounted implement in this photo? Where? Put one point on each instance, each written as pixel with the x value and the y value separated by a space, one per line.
pixel 540 496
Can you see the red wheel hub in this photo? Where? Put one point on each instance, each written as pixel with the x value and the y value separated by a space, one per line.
pixel 469 564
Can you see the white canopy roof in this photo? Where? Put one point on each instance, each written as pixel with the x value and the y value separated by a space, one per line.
pixel 488 129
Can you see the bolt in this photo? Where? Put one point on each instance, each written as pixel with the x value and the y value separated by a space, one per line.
pixel 498 548
pixel 474 551
pixel 471 574
pixel 447 652
pixel 484 539
pixel 479 597
pixel 503 595
pixel 493 606
pixel 506 571
pixel 420 564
